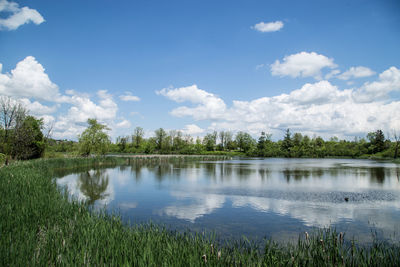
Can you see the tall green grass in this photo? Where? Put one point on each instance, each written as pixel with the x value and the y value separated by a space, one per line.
pixel 39 226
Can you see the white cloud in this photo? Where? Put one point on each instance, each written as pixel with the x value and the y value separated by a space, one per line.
pixel 29 79
pixel 129 97
pixel 389 81
pixel 268 26
pixel 84 108
pixel 19 16
pixel 208 105
pixel 303 64
pixel 331 74
pixel 192 129
pixel 124 124
pixel 316 93
pixel 29 83
pixel 71 124
pixel 37 109
pixel 356 72
pixel 319 108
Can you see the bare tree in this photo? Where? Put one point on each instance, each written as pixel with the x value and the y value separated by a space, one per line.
pixel 11 112
pixel 49 130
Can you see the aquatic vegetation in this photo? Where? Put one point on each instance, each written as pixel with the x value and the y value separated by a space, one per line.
pixel 40 226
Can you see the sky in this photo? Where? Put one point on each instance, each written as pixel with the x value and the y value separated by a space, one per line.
pixel 322 68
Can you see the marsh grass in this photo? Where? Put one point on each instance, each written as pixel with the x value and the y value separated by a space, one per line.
pixel 39 226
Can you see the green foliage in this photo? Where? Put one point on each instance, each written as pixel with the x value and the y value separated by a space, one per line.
pixel 94 139
pixel 27 140
pixel 287 144
pixel 210 141
pixel 377 141
pixel 137 137
pixel 292 145
pixel 2 159
pixel 244 141
pixel 39 226
pixel 159 139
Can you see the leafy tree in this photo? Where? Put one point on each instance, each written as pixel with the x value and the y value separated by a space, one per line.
pixel 160 136
pixel 198 146
pixel 150 146
pixel 244 141
pixel 228 142
pixel 377 141
pixel 122 142
pixel 137 137
pixel 178 142
pixel 94 139
pixel 287 144
pixel 28 141
pixel 210 141
pixel 263 142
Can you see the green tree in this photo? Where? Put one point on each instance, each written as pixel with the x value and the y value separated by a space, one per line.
pixel 122 142
pixel 160 136
pixel 377 141
pixel 28 141
pixel 263 142
pixel 287 144
pixel 228 142
pixel 210 141
pixel 297 148
pixel 244 141
pixel 94 139
pixel 137 137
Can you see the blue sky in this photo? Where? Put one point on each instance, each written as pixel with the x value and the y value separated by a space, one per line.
pixel 329 68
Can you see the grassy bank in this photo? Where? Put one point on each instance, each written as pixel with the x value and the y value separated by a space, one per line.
pixel 39 226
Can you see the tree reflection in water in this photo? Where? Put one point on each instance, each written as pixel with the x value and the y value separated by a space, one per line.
pixel 93 184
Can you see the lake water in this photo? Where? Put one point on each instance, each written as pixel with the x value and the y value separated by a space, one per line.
pixel 273 198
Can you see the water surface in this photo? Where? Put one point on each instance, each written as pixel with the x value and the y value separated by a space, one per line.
pixel 273 198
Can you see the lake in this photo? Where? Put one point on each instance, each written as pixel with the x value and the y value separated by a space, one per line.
pixel 272 198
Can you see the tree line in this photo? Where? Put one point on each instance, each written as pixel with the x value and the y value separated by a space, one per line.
pixel 22 137
pixel 94 140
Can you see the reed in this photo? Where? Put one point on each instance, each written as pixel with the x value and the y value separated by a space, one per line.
pixel 40 226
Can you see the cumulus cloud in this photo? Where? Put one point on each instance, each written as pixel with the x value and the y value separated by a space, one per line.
pixel 124 124
pixel 331 74
pixel 268 26
pixel 28 79
pixel 317 93
pixel 37 109
pixel 389 81
pixel 30 85
pixel 17 16
pixel 207 105
pixel 316 108
pixel 192 129
pixel 356 72
pixel 82 108
pixel 129 97
pixel 303 64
